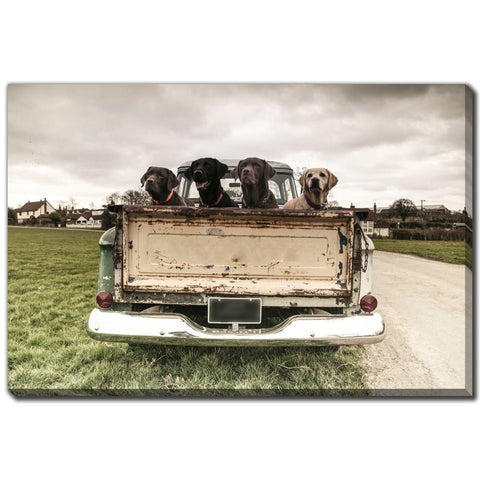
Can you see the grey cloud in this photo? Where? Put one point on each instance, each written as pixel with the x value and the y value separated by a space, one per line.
pixel 107 134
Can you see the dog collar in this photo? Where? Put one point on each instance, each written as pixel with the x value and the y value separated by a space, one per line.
pixel 315 206
pixel 218 199
pixel 157 202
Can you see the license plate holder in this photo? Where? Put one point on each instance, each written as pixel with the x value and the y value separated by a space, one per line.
pixel 234 310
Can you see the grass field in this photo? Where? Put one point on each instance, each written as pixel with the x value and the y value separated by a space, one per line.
pixel 450 252
pixel 52 281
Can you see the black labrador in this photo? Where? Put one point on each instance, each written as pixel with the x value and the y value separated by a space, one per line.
pixel 160 183
pixel 206 173
pixel 254 174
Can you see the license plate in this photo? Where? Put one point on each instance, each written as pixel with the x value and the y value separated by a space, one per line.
pixel 234 310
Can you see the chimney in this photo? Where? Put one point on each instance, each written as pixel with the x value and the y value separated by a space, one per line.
pixel 45 205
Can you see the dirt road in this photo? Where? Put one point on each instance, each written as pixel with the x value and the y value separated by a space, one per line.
pixel 427 350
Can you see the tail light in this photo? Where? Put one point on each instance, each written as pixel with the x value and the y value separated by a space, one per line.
pixel 104 299
pixel 368 303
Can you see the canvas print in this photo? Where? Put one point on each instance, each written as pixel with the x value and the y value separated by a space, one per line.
pixel 240 240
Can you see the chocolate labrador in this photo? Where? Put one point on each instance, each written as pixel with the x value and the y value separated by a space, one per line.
pixel 159 183
pixel 316 183
pixel 254 174
pixel 206 173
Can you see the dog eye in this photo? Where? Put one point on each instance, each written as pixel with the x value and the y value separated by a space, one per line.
pixel 309 175
pixel 322 175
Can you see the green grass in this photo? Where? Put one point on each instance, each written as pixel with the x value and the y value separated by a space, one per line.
pixel 52 281
pixel 450 252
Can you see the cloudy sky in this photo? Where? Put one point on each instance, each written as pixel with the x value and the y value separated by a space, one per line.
pixel 83 142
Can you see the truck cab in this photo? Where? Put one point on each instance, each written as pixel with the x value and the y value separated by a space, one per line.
pixel 282 184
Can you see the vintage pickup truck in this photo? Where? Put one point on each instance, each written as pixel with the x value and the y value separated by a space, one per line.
pixel 233 276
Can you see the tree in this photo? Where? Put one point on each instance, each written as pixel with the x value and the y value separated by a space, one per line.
pixel 12 216
pixel 55 218
pixel 129 197
pixel 136 197
pixel 114 198
pixel 298 172
pixel 73 203
pixel 404 208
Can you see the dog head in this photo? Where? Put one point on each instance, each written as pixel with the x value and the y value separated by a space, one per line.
pixel 205 171
pixel 253 171
pixel 318 181
pixel 158 181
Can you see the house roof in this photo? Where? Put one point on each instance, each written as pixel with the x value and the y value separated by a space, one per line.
pixel 31 206
pixel 433 207
pixel 73 216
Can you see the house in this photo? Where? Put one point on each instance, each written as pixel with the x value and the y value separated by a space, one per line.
pixel 381 229
pixel 35 210
pixel 372 226
pixel 434 209
pixel 84 219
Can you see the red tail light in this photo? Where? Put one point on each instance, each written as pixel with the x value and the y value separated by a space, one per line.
pixel 368 303
pixel 104 299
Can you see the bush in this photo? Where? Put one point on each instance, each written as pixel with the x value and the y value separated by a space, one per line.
pixel 427 234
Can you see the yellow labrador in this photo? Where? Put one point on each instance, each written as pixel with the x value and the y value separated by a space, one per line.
pixel 316 183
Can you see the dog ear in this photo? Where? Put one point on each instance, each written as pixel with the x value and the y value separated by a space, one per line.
pixel 172 180
pixel 268 170
pixel 188 173
pixel 236 171
pixel 222 169
pixel 301 180
pixel 332 180
pixel 145 175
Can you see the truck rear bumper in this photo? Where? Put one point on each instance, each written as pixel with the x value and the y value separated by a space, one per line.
pixel 176 329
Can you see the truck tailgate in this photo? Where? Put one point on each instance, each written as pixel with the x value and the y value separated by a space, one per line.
pixel 237 252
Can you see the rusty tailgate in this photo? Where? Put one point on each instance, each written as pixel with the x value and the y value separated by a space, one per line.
pixel 237 252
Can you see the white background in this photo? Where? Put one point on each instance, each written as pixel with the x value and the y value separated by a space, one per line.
pixel 302 41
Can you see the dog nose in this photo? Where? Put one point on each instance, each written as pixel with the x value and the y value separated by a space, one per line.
pixel 197 175
pixel 149 181
pixel 315 182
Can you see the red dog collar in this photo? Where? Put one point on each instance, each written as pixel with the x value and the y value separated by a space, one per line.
pixel 218 199
pixel 156 202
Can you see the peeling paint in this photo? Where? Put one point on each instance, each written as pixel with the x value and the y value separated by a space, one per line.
pixel 343 240
pixel 340 269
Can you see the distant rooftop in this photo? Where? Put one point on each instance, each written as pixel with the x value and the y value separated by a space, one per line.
pixel 31 206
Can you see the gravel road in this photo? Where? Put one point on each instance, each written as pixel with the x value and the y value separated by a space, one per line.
pixel 427 350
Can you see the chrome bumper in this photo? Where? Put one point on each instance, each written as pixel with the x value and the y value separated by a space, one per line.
pixel 176 329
